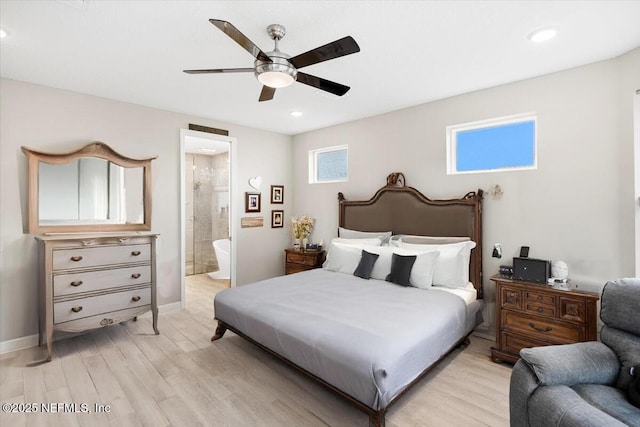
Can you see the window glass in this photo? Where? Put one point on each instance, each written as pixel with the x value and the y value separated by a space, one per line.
pixel 492 145
pixel 329 164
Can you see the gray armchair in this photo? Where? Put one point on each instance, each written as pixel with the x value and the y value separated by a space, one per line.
pixel 583 384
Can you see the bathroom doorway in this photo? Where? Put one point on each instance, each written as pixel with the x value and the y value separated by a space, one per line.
pixel 207 164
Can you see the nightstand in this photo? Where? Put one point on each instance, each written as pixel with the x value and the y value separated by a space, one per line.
pixel 301 260
pixel 532 314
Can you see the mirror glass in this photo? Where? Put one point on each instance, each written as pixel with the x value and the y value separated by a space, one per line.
pixel 90 190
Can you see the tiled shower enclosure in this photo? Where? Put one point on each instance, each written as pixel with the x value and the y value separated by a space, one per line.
pixel 206 209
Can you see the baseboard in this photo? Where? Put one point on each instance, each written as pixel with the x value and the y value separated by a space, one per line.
pixel 32 340
pixel 18 344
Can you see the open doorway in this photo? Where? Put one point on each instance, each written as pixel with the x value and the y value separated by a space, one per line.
pixel 207 166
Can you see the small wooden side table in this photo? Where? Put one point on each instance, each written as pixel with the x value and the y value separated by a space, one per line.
pixel 301 260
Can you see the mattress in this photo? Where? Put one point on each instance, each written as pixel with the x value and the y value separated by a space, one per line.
pixel 368 338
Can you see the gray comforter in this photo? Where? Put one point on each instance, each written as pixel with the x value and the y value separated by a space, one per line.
pixel 368 338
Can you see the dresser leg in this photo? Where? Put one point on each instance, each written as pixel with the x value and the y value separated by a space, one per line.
pixel 154 310
pixel 49 344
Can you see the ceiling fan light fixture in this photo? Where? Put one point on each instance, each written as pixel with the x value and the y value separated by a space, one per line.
pixel 275 79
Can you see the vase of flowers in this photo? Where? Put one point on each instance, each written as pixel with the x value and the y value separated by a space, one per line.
pixel 302 227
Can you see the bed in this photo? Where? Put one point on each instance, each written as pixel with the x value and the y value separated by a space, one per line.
pixel 369 341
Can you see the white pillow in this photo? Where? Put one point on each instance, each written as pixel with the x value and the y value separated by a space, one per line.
pixel 354 234
pixel 358 242
pixel 452 268
pixel 342 258
pixel 423 268
pixel 431 240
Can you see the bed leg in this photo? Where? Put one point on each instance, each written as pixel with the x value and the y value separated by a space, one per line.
pixel 220 330
pixel 465 342
pixel 376 420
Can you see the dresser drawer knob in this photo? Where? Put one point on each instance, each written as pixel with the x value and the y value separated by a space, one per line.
pixel 540 309
pixel 135 299
pixel 76 258
pixel 135 275
pixel 105 322
pixel 541 330
pixel 135 253
pixel 539 298
pixel 76 283
pixel 77 309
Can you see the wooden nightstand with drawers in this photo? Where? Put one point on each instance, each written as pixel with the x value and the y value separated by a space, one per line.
pixel 532 314
pixel 301 260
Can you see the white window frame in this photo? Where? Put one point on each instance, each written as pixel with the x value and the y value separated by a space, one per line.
pixel 313 163
pixel 453 130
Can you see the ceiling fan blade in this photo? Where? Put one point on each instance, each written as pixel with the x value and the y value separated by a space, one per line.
pixel 322 84
pixel 267 93
pixel 220 70
pixel 336 49
pixel 241 39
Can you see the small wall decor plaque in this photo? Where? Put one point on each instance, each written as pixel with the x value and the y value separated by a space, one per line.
pixel 251 221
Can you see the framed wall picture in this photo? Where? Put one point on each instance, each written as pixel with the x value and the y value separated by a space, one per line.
pixel 277 194
pixel 277 219
pixel 251 202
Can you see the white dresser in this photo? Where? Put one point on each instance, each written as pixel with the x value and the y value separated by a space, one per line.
pixel 93 280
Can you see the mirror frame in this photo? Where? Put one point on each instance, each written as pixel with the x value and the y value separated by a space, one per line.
pixel 95 149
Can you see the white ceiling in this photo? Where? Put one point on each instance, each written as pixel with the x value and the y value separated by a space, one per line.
pixel 412 52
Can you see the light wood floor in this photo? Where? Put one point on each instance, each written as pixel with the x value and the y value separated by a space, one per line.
pixel 181 378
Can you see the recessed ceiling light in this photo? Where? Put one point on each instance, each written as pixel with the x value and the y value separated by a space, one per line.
pixel 296 113
pixel 207 149
pixel 542 35
pixel 3 33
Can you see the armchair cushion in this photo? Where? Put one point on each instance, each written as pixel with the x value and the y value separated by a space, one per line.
pixel 620 302
pixel 586 362
pixel 611 401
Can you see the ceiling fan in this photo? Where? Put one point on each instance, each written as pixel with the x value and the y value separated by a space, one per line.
pixel 276 69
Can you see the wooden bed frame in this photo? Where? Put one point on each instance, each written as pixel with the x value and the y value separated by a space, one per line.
pixel 402 210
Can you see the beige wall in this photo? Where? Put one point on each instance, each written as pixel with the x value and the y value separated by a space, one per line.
pixel 578 206
pixel 56 120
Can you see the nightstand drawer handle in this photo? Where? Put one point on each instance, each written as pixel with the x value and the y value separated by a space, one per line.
pixel 135 253
pixel 76 258
pixel 76 283
pixel 77 309
pixel 541 330
pixel 105 322
pixel 135 299
pixel 135 275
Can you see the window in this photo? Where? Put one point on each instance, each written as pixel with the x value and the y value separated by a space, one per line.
pixel 505 143
pixel 329 164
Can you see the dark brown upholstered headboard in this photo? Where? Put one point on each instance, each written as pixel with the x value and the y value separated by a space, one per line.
pixel 404 210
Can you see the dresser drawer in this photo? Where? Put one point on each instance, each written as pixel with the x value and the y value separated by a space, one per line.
pixel 301 259
pixel 539 297
pixel 572 309
pixel 511 298
pixel 514 343
pixel 100 320
pixel 540 328
pixel 66 259
pixel 87 281
pixel 90 306
pixel 540 309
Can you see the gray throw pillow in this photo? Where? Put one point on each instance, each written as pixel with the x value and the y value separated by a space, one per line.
pixel 401 266
pixel 365 266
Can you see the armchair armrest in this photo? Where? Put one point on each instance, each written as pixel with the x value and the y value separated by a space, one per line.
pixel 581 363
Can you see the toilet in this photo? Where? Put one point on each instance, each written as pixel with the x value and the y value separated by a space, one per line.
pixel 222 249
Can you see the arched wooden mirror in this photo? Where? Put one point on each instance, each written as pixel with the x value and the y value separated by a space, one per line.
pixel 91 189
